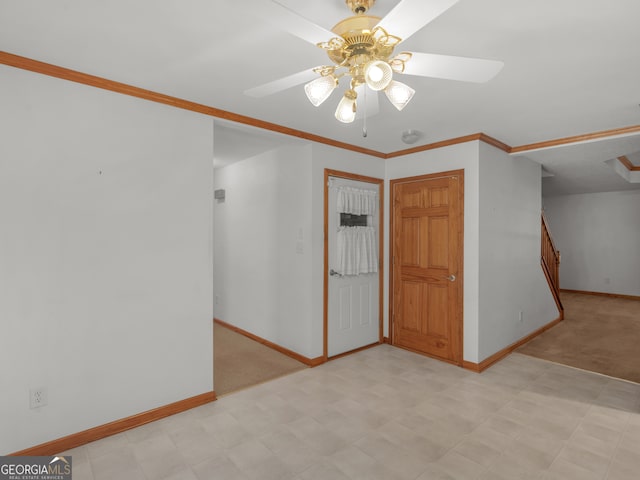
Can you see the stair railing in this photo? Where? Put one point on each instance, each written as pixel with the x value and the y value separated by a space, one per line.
pixel 550 261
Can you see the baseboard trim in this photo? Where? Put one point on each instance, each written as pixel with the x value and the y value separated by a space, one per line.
pixel 602 294
pixel 386 340
pixel 355 350
pixel 496 357
pixel 435 357
pixel 312 362
pixel 96 433
pixel 474 367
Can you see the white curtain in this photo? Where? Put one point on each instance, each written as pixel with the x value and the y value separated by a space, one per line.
pixel 356 251
pixel 357 201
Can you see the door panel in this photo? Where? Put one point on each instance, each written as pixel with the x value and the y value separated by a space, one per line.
pixel 439 196
pixel 437 300
pixel 365 305
pixel 344 308
pixel 427 263
pixel 410 305
pixel 438 242
pixel 410 241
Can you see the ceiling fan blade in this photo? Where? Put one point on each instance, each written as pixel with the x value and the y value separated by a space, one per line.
pixel 281 84
pixel 465 69
pixel 290 21
pixel 409 16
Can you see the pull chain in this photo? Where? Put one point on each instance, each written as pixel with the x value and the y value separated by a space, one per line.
pixel 364 120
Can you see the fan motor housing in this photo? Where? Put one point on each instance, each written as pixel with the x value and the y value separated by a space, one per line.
pixel 356 32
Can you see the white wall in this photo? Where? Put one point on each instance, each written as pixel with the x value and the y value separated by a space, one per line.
pixel 502 273
pixel 263 247
pixel 502 267
pixel 511 278
pixel 105 256
pixel 275 204
pixel 598 236
pixel 454 157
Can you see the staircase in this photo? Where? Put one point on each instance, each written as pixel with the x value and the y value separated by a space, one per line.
pixel 550 261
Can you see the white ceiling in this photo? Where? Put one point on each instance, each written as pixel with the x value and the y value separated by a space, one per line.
pixel 571 67
pixel 233 142
pixel 585 167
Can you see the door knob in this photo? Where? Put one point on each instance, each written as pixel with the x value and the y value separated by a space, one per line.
pixel 333 273
pixel 451 278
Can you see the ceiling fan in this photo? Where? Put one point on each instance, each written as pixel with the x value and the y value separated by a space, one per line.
pixel 362 47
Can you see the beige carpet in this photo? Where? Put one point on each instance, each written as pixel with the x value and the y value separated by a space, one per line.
pixel 599 334
pixel 239 362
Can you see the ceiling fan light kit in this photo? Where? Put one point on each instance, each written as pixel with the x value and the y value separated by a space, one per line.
pixel 319 89
pixel 363 51
pixel 377 75
pixel 399 94
pixel 346 111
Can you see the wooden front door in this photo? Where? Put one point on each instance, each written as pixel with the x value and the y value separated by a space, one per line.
pixel 427 251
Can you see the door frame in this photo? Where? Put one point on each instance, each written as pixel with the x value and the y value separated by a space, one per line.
pixel 361 178
pixel 459 324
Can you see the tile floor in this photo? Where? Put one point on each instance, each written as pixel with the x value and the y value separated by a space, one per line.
pixel 385 413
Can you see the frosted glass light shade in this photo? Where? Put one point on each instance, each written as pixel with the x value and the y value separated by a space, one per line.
pixel 346 111
pixel 399 94
pixel 318 90
pixel 378 75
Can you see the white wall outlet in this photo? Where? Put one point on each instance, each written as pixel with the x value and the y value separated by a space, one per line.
pixel 37 397
pixel 520 316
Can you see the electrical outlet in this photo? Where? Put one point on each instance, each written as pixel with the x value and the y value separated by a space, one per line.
pixel 37 397
pixel 520 316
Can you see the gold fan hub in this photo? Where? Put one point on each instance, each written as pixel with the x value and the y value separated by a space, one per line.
pixel 358 26
pixel 356 33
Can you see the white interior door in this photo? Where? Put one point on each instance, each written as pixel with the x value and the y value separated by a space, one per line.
pixel 353 308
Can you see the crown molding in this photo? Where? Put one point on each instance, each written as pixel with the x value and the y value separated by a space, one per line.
pixel 495 143
pixel 586 137
pixel 63 73
pixel 432 146
pixel 36 66
pixel 627 163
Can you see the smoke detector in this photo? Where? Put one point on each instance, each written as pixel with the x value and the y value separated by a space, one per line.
pixel 411 136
